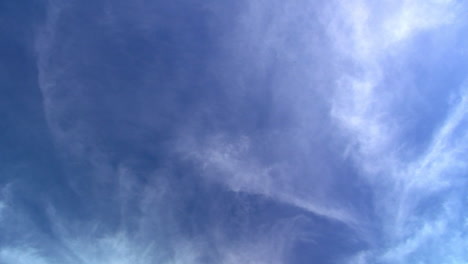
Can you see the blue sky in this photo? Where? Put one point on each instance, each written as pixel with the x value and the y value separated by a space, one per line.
pixel 250 132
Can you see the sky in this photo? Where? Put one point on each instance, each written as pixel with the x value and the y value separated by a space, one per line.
pixel 234 132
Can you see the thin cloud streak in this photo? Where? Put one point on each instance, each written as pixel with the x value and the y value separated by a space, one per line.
pixel 232 165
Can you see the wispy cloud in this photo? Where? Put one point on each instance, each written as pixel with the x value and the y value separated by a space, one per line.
pixel 232 164
pixel 146 227
pixel 306 89
pixel 22 256
pixel 363 104
pixel 364 107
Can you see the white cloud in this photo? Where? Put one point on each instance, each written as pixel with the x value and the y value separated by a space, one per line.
pixel 364 108
pixel 232 164
pixel 22 256
pixel 446 150
pixel 364 34
pixel 415 16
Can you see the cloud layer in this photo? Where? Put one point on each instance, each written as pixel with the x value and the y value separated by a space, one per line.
pixel 247 132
